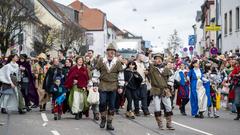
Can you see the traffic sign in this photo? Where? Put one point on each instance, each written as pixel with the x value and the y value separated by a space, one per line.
pixel 192 40
pixel 191 49
pixel 213 27
pixel 214 51
pixel 185 49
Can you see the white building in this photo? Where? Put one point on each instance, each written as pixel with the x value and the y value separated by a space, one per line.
pixel 95 23
pixel 208 18
pixel 230 25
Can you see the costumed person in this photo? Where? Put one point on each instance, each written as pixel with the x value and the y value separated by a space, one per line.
pixel 76 82
pixel 52 73
pixel 91 63
pixel 235 76
pixel 198 97
pixel 142 70
pixel 61 58
pixel 133 81
pixel 39 71
pixel 215 79
pixel 66 68
pixel 171 81
pixel 231 94
pixel 58 93
pixel 183 89
pixel 11 99
pixel 159 75
pixel 27 83
pixel 120 98
pixel 109 78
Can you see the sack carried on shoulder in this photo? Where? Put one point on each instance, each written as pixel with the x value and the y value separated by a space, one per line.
pixel 93 96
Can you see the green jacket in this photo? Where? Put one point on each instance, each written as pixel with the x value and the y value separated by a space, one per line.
pixel 109 78
pixel 158 80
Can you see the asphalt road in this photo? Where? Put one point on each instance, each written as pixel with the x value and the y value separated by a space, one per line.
pixel 36 123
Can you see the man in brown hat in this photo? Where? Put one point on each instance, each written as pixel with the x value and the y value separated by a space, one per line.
pixel 108 76
pixel 159 75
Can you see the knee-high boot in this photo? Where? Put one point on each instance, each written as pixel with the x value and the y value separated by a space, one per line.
pixel 169 121
pixel 158 117
pixel 103 119
pixel 109 120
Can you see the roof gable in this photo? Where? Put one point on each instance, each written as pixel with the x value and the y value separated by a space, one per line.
pixel 90 18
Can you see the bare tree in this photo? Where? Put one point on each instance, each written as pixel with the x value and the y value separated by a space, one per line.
pixel 82 44
pixel 70 35
pixel 174 43
pixel 14 15
pixel 46 39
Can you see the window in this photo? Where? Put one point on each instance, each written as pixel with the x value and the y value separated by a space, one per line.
pixel 237 19
pixel 90 40
pixel 230 21
pixel 225 24
pixel 76 16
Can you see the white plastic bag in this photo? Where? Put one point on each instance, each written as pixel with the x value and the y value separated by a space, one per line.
pixel 93 96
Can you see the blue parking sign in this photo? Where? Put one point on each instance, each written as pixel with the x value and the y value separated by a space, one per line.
pixel 192 40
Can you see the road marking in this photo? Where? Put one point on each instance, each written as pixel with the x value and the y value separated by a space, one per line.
pixel 54 132
pixel 194 129
pixel 44 124
pixel 44 117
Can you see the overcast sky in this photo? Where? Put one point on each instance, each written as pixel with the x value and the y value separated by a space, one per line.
pixel 164 15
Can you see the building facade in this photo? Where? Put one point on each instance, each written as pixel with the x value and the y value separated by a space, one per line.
pixel 230 25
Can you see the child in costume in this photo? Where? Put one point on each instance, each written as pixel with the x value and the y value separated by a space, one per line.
pixel 58 96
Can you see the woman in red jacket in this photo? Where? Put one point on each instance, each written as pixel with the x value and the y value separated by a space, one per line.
pixel 76 82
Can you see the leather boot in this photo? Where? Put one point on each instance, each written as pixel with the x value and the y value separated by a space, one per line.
pixel 96 116
pixel 169 121
pixel 159 119
pixel 103 119
pixel 109 120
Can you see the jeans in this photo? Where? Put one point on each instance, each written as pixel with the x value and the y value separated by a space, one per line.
pixel 131 96
pixel 25 90
pixel 142 94
pixel 107 100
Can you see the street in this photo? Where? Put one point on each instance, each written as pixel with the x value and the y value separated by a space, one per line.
pixel 36 123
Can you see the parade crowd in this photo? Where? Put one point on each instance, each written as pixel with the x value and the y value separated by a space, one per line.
pixel 104 85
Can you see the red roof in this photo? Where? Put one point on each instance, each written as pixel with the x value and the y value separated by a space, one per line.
pixel 89 18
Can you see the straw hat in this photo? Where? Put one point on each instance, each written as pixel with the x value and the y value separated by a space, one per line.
pixel 42 56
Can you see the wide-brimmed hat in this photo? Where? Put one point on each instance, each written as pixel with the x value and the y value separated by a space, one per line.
pixel 23 56
pixel 158 55
pixel 111 46
pixel 42 56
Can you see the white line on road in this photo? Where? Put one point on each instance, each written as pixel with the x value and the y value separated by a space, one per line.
pixel 44 117
pixel 55 132
pixel 197 130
